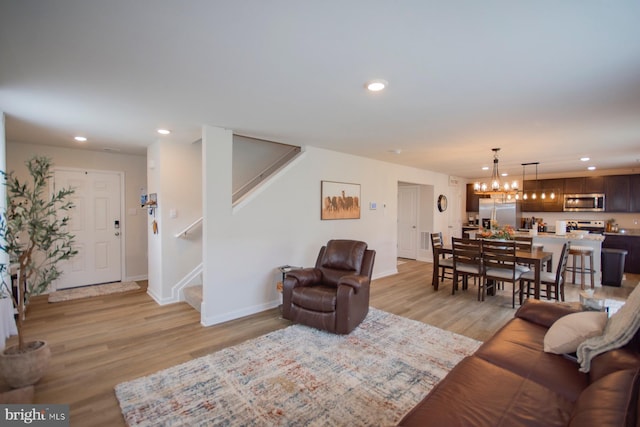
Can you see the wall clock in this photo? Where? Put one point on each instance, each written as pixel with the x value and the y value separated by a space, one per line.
pixel 442 203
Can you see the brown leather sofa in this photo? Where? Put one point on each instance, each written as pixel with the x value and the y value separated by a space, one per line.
pixel 511 381
pixel 333 296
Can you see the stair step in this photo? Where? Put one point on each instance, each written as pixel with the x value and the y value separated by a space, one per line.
pixel 193 296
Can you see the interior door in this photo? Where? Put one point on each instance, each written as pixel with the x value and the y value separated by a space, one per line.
pixel 95 223
pixel 408 221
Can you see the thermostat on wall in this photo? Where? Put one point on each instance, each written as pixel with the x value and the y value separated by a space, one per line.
pixel 373 206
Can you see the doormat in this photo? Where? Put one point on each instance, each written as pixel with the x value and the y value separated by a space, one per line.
pixel 92 291
pixel 300 376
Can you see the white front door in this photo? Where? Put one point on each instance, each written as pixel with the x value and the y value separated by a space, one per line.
pixel 408 222
pixel 95 223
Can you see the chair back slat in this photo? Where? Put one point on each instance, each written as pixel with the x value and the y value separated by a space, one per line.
pixel 436 240
pixel 524 243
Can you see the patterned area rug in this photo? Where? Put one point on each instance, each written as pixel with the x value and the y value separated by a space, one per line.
pixel 92 291
pixel 302 376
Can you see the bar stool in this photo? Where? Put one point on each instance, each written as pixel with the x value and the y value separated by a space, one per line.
pixel 582 252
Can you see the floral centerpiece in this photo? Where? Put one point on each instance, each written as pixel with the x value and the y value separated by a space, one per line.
pixel 505 232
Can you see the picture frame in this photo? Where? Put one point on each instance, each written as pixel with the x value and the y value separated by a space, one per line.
pixel 339 200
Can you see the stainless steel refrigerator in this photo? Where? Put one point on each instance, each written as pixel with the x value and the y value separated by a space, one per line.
pixel 504 212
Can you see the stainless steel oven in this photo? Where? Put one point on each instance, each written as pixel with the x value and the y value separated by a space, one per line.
pixel 584 202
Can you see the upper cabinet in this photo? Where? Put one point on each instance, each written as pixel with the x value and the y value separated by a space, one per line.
pixel 622 193
pixel 616 193
pixel 593 184
pixel 584 185
pixel 634 193
pixel 549 187
pixel 473 200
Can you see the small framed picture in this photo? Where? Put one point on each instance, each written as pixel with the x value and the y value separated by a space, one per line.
pixel 339 200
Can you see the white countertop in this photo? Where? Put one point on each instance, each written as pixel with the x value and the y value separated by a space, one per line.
pixel 567 236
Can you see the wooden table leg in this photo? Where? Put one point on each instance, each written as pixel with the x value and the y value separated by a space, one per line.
pixel 435 280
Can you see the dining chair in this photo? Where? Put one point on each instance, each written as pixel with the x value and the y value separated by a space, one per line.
pixel 523 243
pixel 553 281
pixel 445 264
pixel 499 265
pixel 467 261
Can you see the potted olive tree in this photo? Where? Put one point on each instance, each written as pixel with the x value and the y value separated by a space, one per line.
pixel 33 232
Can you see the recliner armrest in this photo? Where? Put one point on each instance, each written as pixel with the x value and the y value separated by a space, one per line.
pixel 305 276
pixel 356 281
pixel 544 313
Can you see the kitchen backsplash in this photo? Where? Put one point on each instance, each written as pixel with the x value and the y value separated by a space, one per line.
pixel 624 220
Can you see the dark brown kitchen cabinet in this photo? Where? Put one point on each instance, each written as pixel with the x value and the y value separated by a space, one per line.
pixel 552 186
pixel 616 193
pixel 634 193
pixel 584 185
pixel 530 204
pixel 574 185
pixel 548 204
pixel 594 184
pixel 473 204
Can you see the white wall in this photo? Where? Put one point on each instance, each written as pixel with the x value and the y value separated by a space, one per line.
pixel 280 224
pixel 134 168
pixel 174 174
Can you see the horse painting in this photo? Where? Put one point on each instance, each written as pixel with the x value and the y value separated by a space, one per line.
pixel 340 200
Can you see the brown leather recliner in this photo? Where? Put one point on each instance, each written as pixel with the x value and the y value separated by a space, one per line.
pixel 334 295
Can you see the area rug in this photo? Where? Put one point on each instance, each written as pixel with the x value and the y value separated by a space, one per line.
pixel 302 376
pixel 92 291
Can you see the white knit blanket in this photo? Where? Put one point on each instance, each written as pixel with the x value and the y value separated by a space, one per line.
pixel 620 328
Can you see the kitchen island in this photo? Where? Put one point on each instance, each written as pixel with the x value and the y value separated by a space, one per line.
pixel 551 242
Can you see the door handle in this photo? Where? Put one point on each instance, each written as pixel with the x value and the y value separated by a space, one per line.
pixel 117 233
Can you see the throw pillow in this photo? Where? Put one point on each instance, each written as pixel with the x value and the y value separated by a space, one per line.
pixel 569 331
pixel 620 329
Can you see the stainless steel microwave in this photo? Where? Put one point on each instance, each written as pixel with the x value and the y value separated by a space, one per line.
pixel 584 202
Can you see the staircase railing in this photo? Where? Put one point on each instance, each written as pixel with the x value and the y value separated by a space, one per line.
pixel 283 160
pixel 189 228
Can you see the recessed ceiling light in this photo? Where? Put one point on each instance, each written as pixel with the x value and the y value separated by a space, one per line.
pixel 585 159
pixel 80 138
pixel 591 168
pixel 396 151
pixel 164 131
pixel 376 85
pixel 485 168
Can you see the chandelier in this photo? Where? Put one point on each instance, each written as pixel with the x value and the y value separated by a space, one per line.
pixel 496 187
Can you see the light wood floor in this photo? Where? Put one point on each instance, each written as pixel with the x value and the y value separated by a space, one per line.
pixel 100 342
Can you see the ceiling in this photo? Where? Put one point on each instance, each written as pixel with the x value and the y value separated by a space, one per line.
pixel 545 80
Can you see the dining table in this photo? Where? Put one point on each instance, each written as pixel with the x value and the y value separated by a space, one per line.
pixel 535 257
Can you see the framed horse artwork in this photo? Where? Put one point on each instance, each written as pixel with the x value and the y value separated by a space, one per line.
pixel 340 200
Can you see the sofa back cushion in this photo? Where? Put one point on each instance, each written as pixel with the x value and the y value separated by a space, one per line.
pixel 610 401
